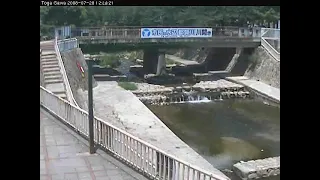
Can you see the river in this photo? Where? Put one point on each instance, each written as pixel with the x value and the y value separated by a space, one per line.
pixel 226 132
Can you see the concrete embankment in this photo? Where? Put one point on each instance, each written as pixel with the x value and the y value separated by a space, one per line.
pixel 73 59
pixel 258 168
pixel 255 69
pixel 254 63
pixel 260 72
pixel 258 64
pixel 261 89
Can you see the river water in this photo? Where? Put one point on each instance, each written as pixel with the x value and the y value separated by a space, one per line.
pixel 226 132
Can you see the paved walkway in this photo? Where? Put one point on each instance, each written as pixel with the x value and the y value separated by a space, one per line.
pixel 258 86
pixel 64 156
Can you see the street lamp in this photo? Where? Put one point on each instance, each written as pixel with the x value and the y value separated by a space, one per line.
pixel 90 106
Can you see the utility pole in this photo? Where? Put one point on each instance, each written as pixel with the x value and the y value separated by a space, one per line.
pixel 90 107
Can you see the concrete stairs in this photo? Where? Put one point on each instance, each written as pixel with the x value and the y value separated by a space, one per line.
pixel 51 70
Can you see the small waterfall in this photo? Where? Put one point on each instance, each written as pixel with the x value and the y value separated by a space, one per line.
pixel 198 99
pixel 190 98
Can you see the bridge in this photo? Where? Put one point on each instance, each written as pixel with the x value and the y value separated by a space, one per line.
pixel 128 38
pixel 58 104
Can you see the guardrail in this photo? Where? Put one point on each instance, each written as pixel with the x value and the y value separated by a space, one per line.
pixel 41 73
pixel 135 33
pixel 274 53
pixel 64 74
pixel 270 33
pixel 151 161
pixel 67 44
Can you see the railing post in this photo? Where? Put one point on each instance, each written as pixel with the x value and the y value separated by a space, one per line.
pixel 90 107
pixel 125 32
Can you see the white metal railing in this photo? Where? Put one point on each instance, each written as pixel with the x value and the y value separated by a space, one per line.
pixel 67 44
pixel 64 75
pixel 274 53
pixel 270 33
pixel 148 159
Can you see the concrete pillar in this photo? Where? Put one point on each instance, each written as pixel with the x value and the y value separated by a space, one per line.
pixel 150 61
pixel 161 67
pixel 256 32
pixel 240 33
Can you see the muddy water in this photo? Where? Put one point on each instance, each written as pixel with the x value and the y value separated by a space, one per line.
pixel 226 132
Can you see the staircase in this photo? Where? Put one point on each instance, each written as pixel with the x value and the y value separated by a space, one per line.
pixel 50 68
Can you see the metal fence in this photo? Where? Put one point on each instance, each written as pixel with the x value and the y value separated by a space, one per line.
pixel 270 40
pixel 273 52
pixel 270 33
pixel 140 155
pixel 135 32
pixel 68 44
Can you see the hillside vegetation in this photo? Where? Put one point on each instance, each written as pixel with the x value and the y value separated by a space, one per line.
pixel 51 17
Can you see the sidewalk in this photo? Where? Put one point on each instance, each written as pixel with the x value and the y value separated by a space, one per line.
pixel 64 156
pixel 258 86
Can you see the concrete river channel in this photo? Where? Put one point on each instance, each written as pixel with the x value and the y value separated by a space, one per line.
pixel 226 132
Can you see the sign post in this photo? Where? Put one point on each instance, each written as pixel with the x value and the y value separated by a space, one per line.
pixel 90 107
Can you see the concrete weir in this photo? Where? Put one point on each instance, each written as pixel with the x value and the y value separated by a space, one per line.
pixel 258 168
pixel 123 109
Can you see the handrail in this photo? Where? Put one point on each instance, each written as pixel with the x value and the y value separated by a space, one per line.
pixel 274 34
pixel 273 52
pixel 152 161
pixel 68 44
pixel 136 32
pixel 164 26
pixel 64 74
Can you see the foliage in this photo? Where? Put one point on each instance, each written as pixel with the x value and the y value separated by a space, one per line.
pixel 110 60
pixel 135 55
pixel 158 15
pixel 128 86
pixel 253 61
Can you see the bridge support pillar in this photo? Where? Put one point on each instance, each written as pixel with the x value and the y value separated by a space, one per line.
pixel 161 67
pixel 150 61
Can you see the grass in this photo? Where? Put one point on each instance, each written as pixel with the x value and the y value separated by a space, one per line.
pixel 110 60
pixel 128 86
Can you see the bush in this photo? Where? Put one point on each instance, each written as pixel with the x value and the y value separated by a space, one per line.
pixel 253 61
pixel 110 61
pixel 128 86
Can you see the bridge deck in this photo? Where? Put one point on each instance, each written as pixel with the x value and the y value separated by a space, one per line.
pixel 64 156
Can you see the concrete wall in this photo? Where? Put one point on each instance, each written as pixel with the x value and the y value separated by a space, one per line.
pixel 258 64
pixel 255 63
pixel 219 58
pixel 194 54
pixel 266 69
pixel 77 82
pixel 214 59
